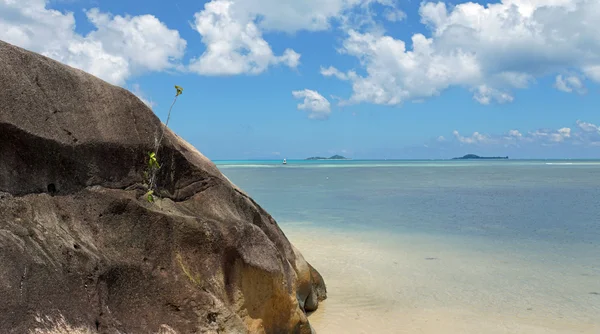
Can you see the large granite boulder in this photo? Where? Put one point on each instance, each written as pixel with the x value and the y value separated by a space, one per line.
pixel 81 249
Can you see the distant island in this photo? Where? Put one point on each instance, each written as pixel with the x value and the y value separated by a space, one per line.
pixel 473 156
pixel 334 157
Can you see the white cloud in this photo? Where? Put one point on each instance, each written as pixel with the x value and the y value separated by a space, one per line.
pixel 490 49
pixel 119 47
pixel 332 71
pixel 475 138
pixel 563 133
pixel 395 75
pixel 592 72
pixel 551 136
pixel 554 136
pixel 588 127
pixel 544 136
pixel 514 135
pixel 317 105
pixel 290 58
pixel 569 84
pixel 145 41
pixel 293 15
pixel 583 134
pixel 234 43
pixel 485 94
pixel 312 15
pixel 394 15
pixel 232 30
pixel 587 133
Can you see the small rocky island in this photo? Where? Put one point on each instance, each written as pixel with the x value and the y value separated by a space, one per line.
pixel 334 157
pixel 475 157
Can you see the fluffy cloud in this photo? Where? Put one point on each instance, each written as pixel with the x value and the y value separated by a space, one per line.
pixel 143 40
pixel 571 83
pixel 588 127
pixel 485 94
pixel 314 103
pixel 119 47
pixel 232 30
pixel 557 136
pixel 332 71
pixel 394 15
pixel 587 133
pixel 234 43
pixel 490 49
pixel 475 138
pixel 582 133
pixel 294 15
pixel 514 134
pixel 395 74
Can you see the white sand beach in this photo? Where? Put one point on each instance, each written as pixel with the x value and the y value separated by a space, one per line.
pixel 391 283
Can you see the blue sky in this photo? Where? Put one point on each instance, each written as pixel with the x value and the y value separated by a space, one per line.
pixel 362 78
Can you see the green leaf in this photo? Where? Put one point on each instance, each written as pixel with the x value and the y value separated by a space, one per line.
pixel 149 196
pixel 152 162
pixel 179 90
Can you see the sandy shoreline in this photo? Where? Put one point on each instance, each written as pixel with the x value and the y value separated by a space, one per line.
pixel 379 283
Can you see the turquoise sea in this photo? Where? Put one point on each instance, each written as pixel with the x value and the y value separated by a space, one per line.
pixel 448 246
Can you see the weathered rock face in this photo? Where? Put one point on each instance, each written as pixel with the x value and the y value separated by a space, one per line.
pixel 82 249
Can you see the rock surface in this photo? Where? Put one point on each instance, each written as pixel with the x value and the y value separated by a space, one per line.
pixel 80 248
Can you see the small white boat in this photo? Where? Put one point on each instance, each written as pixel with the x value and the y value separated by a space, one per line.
pixel 284 161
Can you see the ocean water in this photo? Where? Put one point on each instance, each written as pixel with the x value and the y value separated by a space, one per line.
pixel 441 246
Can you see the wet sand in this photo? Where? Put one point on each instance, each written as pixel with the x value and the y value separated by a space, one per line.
pixel 396 283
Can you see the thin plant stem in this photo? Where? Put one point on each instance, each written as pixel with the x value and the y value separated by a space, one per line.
pixel 166 125
pixel 153 164
pixel 162 134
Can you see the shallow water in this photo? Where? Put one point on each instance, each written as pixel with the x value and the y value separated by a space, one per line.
pixel 443 247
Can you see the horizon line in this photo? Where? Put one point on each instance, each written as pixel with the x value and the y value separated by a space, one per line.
pixel 395 159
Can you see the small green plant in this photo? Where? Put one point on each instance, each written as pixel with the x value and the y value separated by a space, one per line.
pixel 150 196
pixel 153 165
pixel 152 162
